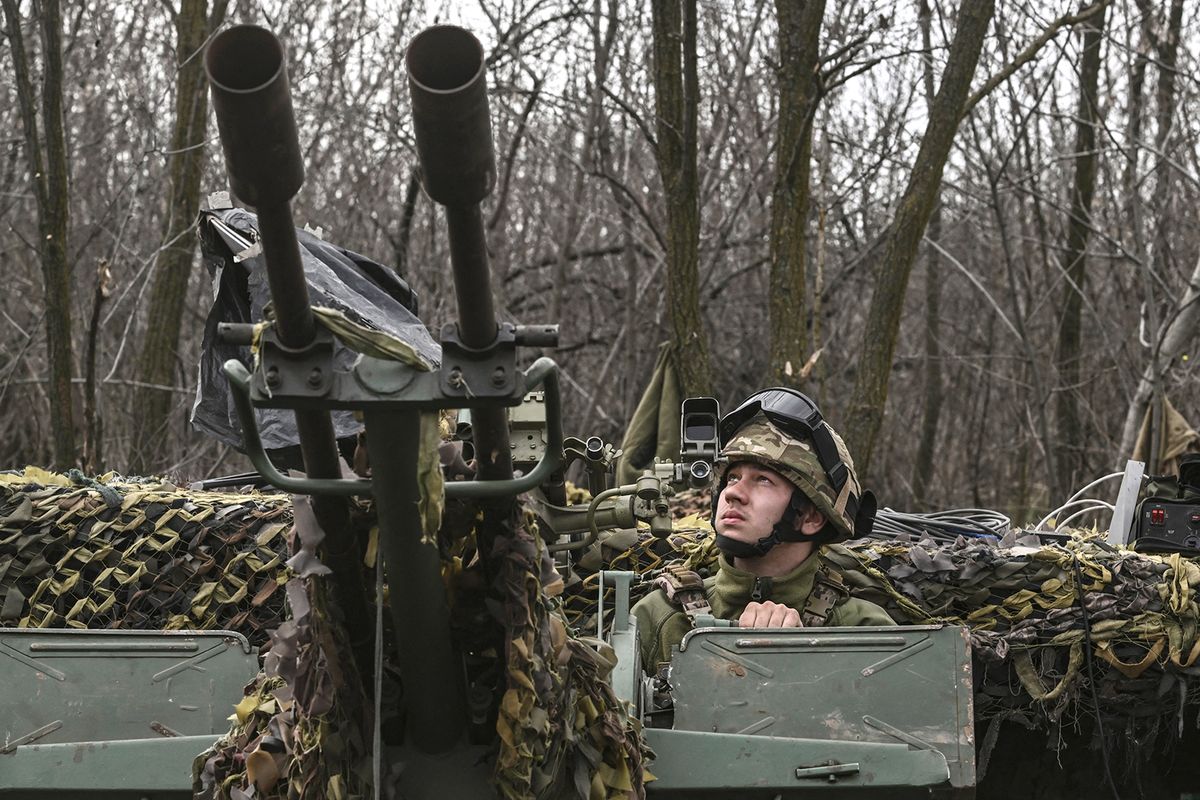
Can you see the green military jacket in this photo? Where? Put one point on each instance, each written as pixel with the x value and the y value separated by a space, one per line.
pixel 662 625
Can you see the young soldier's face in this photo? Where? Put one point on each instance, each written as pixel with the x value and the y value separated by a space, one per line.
pixel 753 500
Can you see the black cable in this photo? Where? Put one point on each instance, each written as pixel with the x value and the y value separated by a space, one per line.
pixel 1087 641
pixel 942 526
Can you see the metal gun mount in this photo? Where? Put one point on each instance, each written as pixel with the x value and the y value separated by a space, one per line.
pixel 446 76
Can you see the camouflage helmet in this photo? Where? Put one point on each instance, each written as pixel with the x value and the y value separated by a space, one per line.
pixel 762 442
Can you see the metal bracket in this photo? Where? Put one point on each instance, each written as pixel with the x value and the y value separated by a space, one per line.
pixel 301 373
pixel 527 429
pixel 621 580
pixel 1126 506
pixel 543 372
pixel 485 372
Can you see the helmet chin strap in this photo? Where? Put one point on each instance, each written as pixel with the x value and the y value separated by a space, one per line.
pixel 782 531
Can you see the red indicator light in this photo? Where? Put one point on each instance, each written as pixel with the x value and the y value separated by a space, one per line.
pixel 1157 516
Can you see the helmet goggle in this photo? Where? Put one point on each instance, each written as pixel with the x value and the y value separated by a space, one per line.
pixel 796 415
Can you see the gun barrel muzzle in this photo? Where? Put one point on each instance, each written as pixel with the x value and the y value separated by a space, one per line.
pixel 448 86
pixel 247 70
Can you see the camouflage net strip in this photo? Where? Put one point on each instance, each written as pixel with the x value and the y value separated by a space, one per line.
pixel 302 727
pixel 563 732
pixel 81 553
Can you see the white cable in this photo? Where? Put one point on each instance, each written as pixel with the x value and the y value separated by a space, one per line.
pixel 1095 483
pixel 1100 505
pixel 1064 507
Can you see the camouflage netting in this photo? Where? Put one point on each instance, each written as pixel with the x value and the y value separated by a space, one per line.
pixel 81 553
pixel 563 731
pixel 77 552
pixel 302 727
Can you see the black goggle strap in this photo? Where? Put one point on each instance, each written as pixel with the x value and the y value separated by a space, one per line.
pixel 739 549
pixel 827 453
pixel 863 513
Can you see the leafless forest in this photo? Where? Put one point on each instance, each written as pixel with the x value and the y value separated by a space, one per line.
pixel 982 218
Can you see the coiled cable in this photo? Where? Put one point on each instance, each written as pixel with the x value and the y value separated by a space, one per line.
pixel 942 526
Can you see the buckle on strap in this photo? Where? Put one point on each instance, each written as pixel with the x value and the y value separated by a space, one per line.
pixel 829 591
pixel 684 589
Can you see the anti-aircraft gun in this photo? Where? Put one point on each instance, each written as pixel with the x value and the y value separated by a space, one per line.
pixel 478 368
pixel 749 713
pixel 853 731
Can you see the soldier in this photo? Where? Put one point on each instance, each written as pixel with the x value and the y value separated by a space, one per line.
pixel 784 487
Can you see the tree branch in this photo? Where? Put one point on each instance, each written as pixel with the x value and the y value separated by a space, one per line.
pixel 637 119
pixel 511 156
pixel 1031 51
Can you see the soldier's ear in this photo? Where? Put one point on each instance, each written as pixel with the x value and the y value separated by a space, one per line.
pixel 810 522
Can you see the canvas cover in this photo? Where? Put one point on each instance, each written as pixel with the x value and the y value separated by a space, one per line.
pixel 367 293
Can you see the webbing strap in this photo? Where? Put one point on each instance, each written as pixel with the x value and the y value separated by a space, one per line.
pixel 839 505
pixel 829 591
pixel 684 589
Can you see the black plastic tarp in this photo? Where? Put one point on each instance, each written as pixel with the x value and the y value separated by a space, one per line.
pixel 365 291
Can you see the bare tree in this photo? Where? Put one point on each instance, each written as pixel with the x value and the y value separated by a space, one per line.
pixel 1074 257
pixel 799 93
pixel 904 235
pixel 1168 342
pixel 932 408
pixel 46 155
pixel 676 100
pixel 152 400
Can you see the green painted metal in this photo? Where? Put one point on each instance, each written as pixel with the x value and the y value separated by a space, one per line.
pixel 158 769
pixel 907 687
pixel 464 772
pixel 543 372
pixel 93 685
pixel 106 714
pixel 728 765
pixel 626 676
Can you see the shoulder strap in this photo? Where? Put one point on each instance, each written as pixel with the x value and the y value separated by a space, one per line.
pixel 829 592
pixel 685 590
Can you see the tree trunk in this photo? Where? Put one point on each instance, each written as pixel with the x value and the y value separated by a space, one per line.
pixel 1166 345
pixel 907 229
pixel 152 404
pixel 799 40
pixel 676 97
pixel 1074 257
pixel 931 413
pixel 48 173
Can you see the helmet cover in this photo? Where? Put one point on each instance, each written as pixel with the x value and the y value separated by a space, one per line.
pixel 761 442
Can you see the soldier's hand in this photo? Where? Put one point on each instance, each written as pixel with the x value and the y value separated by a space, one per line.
pixel 769 615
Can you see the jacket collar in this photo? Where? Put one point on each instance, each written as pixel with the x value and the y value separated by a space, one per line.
pixel 734 588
